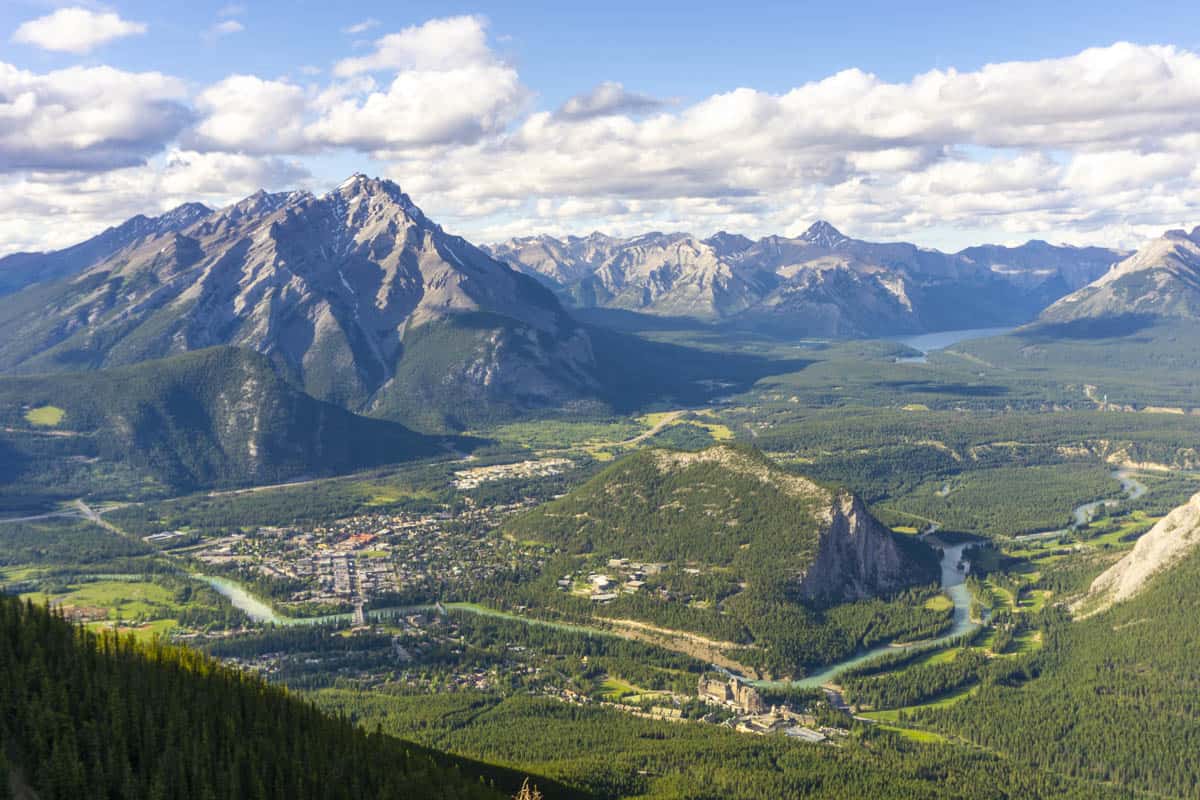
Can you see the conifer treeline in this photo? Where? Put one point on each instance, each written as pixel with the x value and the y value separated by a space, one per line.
pixel 102 716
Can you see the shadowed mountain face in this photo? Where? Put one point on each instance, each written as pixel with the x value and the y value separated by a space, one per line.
pixel 215 417
pixel 819 283
pixel 356 295
pixel 1162 280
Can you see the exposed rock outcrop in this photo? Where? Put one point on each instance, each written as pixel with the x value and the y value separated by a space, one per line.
pixel 857 556
pixel 1160 280
pixel 1173 537
pixel 820 283
pixel 340 290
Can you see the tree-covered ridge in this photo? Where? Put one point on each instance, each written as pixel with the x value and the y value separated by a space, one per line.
pixel 735 548
pixel 723 507
pixel 1116 697
pixel 100 716
pixel 212 417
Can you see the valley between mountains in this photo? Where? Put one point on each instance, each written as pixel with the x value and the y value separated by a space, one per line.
pixel 623 516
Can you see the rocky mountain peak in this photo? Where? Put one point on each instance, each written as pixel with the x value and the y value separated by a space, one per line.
pixel 823 234
pixel 728 244
pixel 379 196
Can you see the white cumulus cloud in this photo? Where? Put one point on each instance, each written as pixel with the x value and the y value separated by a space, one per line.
pixel 86 117
pixel 248 114
pixel 75 30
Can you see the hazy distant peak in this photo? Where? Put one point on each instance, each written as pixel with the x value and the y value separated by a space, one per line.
pixel 728 243
pixel 823 234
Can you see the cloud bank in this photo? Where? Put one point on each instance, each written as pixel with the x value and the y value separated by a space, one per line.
pixel 1093 147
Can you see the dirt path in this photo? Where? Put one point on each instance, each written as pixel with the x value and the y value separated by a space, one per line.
pixel 690 644
pixel 668 419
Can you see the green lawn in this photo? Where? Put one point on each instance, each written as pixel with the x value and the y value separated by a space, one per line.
pixel 615 688
pixel 45 416
pixel 125 600
pixel 912 734
pixel 893 714
pixel 939 603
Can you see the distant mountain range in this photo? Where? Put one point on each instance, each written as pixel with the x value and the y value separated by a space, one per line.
pixel 1161 280
pixel 360 300
pixel 819 283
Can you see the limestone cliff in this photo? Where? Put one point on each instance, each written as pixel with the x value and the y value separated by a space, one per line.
pixel 858 557
pixel 1172 538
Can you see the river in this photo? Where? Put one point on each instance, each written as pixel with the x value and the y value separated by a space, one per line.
pixel 1083 514
pixel 259 611
pixel 953 579
pixel 928 342
pixel 954 576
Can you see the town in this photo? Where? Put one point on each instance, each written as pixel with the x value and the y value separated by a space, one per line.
pixel 370 557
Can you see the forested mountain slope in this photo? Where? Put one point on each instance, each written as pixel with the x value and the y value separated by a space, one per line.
pixel 730 507
pixel 1161 280
pixel 742 551
pixel 87 715
pixel 1113 698
pixel 220 416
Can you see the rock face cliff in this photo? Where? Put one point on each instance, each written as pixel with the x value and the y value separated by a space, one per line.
pixel 19 270
pixel 858 557
pixel 819 283
pixel 356 295
pixel 1171 539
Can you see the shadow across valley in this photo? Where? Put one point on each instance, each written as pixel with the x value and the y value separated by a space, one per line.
pixel 634 372
pixel 1110 327
pixel 943 388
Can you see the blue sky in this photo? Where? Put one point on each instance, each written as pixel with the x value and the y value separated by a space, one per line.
pixel 866 143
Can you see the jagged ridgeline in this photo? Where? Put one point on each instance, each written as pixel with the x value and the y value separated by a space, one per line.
pixel 88 715
pixel 355 295
pixel 819 283
pixel 219 416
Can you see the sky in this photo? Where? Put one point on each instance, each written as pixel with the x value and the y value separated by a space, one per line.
pixel 945 124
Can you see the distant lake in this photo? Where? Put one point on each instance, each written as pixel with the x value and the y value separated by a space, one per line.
pixel 928 342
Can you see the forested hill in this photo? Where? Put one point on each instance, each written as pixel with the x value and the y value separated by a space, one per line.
pixel 220 416
pixel 96 716
pixel 733 509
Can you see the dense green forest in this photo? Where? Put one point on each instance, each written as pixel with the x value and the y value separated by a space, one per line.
pixel 208 418
pixel 745 529
pixel 90 715
pixel 615 755
pixel 1117 696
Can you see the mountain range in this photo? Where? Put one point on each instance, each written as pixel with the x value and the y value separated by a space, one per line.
pixel 819 283
pixel 19 270
pixel 355 295
pixel 358 299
